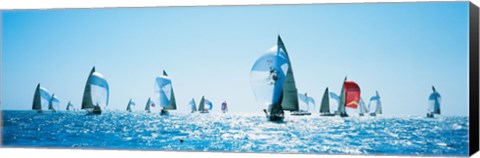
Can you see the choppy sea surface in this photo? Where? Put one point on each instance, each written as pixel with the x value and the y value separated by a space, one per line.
pixel 383 135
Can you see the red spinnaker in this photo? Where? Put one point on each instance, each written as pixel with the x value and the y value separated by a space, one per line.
pixel 352 94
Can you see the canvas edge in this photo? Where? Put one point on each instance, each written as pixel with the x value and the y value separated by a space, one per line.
pixel 473 79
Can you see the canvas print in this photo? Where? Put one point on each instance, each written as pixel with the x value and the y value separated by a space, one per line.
pixel 370 78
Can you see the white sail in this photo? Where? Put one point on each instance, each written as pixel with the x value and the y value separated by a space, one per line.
pixel 201 105
pixel 363 108
pixel 341 102
pixel 96 91
pixel 307 102
pixel 54 102
pixel 164 92
pixel 434 102
pixel 375 104
pixel 267 76
pixel 192 105
pixel 41 98
pixel 149 104
pixel 131 103
pixel 69 106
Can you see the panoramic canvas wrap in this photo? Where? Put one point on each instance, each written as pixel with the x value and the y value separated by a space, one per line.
pixel 378 78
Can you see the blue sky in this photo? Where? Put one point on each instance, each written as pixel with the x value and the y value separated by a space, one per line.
pixel 399 49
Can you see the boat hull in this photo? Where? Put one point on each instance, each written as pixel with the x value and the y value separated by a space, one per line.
pixel 373 114
pixel 164 112
pixel 327 114
pixel 429 115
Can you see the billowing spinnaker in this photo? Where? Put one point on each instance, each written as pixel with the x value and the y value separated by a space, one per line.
pixel 306 100
pixel 209 103
pixel 434 103
pixel 40 98
pixel 267 76
pixel 99 89
pixel 352 94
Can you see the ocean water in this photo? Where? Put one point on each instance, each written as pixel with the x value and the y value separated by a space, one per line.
pixel 384 135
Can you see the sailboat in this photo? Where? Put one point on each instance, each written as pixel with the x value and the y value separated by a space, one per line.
pixel 224 106
pixel 69 106
pixel 271 85
pixel 96 93
pixel 131 103
pixel 40 98
pixel 54 102
pixel 307 100
pixel 434 103
pixel 193 106
pixel 201 106
pixel 165 93
pixel 363 108
pixel 325 105
pixel 378 105
pixel 149 104
pixel 349 97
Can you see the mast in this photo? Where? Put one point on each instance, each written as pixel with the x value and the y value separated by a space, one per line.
pixel 325 105
pixel 290 97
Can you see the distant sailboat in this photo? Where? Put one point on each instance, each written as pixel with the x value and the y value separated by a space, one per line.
pixel 201 106
pixel 193 106
pixel 349 97
pixel 335 97
pixel 40 98
pixel 305 110
pixel 325 105
pixel 363 108
pixel 165 93
pixel 434 101
pixel 377 106
pixel 54 102
pixel 267 78
pixel 149 104
pixel 96 93
pixel 69 106
pixel 224 106
pixel 131 103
